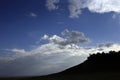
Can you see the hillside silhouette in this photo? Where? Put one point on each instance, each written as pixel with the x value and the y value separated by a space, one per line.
pixel 100 66
pixel 100 62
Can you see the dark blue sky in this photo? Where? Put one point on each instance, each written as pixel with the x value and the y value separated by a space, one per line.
pixel 19 29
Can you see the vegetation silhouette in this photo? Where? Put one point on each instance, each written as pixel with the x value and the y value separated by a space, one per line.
pixel 100 62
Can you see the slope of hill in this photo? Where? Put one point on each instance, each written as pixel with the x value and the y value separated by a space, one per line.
pixel 100 62
pixel 100 66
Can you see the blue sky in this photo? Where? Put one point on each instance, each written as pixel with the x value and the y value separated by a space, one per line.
pixel 28 26
pixel 19 29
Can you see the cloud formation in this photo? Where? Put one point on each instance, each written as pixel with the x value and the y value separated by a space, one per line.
pixel 71 37
pixel 97 6
pixel 51 57
pixel 105 47
pixel 44 59
pixel 103 6
pixel 52 4
pixel 75 8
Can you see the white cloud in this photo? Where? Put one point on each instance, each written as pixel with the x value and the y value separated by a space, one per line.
pixel 103 6
pixel 44 59
pixel 45 37
pixel 75 7
pixel 106 47
pixel 97 6
pixel 48 58
pixel 18 50
pixel 52 4
pixel 72 37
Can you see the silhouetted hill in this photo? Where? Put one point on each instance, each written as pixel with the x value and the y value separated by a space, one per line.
pixel 100 62
pixel 100 66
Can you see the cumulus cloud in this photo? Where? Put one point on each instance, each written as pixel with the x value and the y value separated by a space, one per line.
pixel 71 37
pixel 103 6
pixel 51 57
pixel 45 37
pixel 52 4
pixel 98 6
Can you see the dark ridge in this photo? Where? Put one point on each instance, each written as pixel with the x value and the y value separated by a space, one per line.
pixel 100 62
pixel 100 66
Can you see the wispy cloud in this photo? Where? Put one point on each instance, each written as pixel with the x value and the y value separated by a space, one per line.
pixel 32 14
pixel 52 4
pixel 75 8
pixel 116 16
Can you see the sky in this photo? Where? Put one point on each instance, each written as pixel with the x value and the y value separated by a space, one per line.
pixel 39 37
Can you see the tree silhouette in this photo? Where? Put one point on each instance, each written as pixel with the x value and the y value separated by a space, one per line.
pixel 100 62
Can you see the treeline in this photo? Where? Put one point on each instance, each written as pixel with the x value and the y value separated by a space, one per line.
pixel 105 56
pixel 100 62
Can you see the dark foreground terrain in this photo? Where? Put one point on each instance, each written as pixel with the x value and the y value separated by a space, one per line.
pixel 105 66
pixel 95 76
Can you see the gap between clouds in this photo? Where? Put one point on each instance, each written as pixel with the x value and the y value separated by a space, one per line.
pixel 56 55
pixel 96 6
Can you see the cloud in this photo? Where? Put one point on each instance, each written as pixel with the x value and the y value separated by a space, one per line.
pixel 45 37
pixel 49 58
pixel 32 14
pixel 96 6
pixel 52 4
pixel 44 59
pixel 116 16
pixel 106 47
pixel 104 6
pixel 75 8
pixel 105 44
pixel 18 50
pixel 71 37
